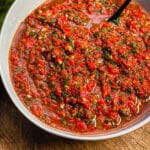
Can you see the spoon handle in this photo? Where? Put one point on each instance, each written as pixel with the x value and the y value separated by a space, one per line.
pixel 119 11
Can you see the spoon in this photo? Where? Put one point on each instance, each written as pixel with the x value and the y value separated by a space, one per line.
pixel 119 11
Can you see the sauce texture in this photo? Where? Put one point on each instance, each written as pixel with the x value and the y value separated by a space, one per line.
pixel 74 70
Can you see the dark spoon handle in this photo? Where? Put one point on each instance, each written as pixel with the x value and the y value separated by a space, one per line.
pixel 118 13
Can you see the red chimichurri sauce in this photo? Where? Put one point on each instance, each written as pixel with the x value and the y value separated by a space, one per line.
pixel 74 70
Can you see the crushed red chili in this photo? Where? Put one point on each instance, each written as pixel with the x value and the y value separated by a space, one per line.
pixel 73 69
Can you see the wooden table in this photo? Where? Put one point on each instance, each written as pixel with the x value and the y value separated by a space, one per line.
pixel 17 133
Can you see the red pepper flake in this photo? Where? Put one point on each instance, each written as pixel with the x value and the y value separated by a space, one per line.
pixel 92 65
pixel 58 90
pixel 36 110
pixel 30 42
pixel 81 126
pixel 106 90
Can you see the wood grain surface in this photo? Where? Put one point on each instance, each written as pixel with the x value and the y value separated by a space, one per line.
pixel 17 133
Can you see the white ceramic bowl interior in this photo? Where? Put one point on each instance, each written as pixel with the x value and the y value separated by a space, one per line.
pixel 19 10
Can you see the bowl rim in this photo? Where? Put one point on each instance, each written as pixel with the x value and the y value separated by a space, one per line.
pixel 36 121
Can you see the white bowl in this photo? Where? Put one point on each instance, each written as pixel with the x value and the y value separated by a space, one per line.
pixel 19 10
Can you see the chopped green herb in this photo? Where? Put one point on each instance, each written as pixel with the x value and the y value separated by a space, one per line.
pixel 105 30
pixel 52 21
pixel 107 53
pixel 65 82
pixel 117 21
pixel 53 96
pixel 128 90
pixel 71 42
pixel 98 48
pixel 108 98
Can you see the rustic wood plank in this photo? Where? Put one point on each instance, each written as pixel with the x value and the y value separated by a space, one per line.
pixel 17 133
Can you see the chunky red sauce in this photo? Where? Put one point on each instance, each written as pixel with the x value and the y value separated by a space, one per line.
pixel 74 70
